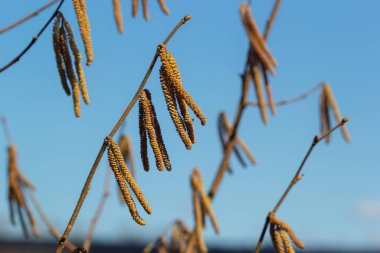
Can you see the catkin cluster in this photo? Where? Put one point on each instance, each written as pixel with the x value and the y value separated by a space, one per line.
pixel 202 206
pixel 180 235
pixel 149 126
pixel 328 102
pixel 84 27
pixel 224 130
pixel 16 184
pixel 280 233
pixel 123 176
pixel 260 61
pixel 144 3
pixel 176 96
pixel 63 42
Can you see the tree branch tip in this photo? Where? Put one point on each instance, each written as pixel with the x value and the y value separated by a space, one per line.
pixel 344 120
pixel 186 18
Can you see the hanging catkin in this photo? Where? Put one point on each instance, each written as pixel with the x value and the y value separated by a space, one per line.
pixel 84 27
pixel 117 13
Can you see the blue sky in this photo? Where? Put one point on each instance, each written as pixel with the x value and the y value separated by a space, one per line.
pixel 337 204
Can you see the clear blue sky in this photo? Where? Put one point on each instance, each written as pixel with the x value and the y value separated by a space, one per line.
pixel 337 204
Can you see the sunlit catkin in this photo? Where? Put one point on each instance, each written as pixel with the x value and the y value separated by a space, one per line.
pixel 117 13
pixel 283 225
pixel 145 9
pixel 286 242
pixel 128 177
pixel 150 129
pixel 170 67
pixel 163 6
pixel 255 72
pixel 59 56
pixel 201 245
pixel 123 188
pixel 162 245
pixel 171 103
pixel 157 130
pixel 84 27
pixel 143 138
pixel 276 239
pixel 77 61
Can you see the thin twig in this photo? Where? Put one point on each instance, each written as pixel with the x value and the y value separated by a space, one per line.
pixel 292 100
pixel 271 19
pixel 31 15
pixel 34 39
pixel 98 213
pixel 70 246
pixel 295 179
pixel 87 184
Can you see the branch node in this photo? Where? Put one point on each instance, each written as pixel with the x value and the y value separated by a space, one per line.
pixel 186 18
pixel 345 119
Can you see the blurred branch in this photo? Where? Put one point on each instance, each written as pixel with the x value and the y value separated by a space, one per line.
pixel 70 246
pixel 31 15
pixel 33 41
pixel 99 210
pixel 292 100
pixel 295 179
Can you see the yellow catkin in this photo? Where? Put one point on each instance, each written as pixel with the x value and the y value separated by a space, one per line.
pixel 205 200
pixel 77 61
pixel 117 13
pixel 128 177
pixel 58 55
pixel 70 71
pixel 255 72
pixel 245 18
pixel 286 242
pixel 84 27
pixel 181 101
pixel 123 188
pixel 168 66
pixel 151 133
pixel 135 6
pixel 143 138
pixel 283 225
pixel 145 9
pixel 163 7
pixel 171 103
pixel 157 130
pixel 334 105
pixel 276 239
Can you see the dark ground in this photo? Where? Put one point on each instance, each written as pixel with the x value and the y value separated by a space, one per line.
pixel 22 247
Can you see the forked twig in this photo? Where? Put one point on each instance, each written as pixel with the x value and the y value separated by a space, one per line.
pixel 295 179
pixel 106 192
pixel 86 186
pixel 31 15
pixel 34 39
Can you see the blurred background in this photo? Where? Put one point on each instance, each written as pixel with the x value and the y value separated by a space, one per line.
pixel 335 207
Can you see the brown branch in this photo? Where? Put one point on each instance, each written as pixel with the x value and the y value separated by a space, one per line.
pixel 33 41
pixel 31 15
pixel 271 19
pixel 99 210
pixel 295 179
pixel 70 246
pixel 291 100
pixel 87 186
